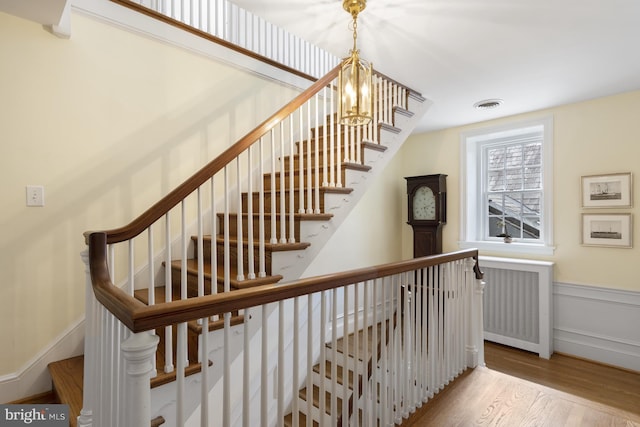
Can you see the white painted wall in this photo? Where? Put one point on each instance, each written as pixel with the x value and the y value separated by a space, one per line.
pixel 106 118
pixel 593 137
pixel 597 136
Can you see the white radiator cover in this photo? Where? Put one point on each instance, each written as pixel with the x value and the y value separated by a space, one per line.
pixel 518 303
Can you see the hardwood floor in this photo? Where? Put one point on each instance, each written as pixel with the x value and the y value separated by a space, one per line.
pixel 519 389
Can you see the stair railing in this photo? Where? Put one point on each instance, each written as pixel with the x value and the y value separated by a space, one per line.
pixel 227 24
pixel 368 346
pixel 209 203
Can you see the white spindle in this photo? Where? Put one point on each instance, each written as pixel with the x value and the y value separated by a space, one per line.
pixel 131 270
pixel 340 140
pixel 261 237
pixel 264 370
pixel 295 410
pixel 282 190
pixel 250 238
pixel 345 360
pixel 292 190
pixel 316 191
pixel 180 368
pixel 301 162
pixel 388 317
pixel 272 181
pixel 310 362
pixel 226 382
pixel 151 295
pixel 308 160
pixel 356 354
pixel 325 138
pixel 239 223
pixel 366 407
pixel 323 353
pixel 246 375
pixel 281 366
pixel 332 140
pixel 204 363
pixel 334 357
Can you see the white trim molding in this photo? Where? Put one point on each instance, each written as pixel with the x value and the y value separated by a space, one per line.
pixel 33 377
pixel 598 324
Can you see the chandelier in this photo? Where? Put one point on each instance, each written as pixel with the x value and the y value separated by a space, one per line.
pixel 355 88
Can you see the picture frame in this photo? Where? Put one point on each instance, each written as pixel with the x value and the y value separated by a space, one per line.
pixel 607 230
pixel 607 191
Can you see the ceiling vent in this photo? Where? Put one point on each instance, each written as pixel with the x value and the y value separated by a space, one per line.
pixel 488 104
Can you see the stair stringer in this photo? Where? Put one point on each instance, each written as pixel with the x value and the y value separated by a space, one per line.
pixel 292 265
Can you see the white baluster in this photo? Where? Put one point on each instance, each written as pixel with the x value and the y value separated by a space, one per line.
pixel 292 209
pixel 282 191
pixel 261 231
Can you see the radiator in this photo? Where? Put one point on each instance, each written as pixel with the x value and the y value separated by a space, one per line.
pixel 518 303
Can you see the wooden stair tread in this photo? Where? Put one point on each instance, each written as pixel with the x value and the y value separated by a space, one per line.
pixel 192 269
pixel 296 216
pixel 339 375
pixel 316 399
pixel 302 420
pixel 343 166
pixel 162 378
pixel 323 189
pixel 67 377
pixel 268 247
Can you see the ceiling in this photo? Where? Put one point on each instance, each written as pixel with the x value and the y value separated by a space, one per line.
pixel 532 54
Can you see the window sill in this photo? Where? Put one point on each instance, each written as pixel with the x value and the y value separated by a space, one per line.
pixel 508 248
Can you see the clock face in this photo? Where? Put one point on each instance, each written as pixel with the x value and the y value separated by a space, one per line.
pixel 424 204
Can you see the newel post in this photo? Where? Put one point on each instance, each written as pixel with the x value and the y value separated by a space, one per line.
pixel 85 419
pixel 139 351
pixel 475 342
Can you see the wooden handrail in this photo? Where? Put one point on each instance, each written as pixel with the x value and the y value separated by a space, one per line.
pixel 155 212
pixel 139 317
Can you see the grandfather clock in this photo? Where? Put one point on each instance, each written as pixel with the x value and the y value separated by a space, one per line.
pixel 427 196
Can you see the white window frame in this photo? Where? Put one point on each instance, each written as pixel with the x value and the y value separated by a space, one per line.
pixel 472 202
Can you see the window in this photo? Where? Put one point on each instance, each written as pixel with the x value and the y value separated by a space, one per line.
pixel 507 187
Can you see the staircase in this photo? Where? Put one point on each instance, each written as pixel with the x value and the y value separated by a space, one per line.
pixel 284 260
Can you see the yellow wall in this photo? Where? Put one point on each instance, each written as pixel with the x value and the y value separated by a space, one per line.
pixel 600 136
pixel 105 119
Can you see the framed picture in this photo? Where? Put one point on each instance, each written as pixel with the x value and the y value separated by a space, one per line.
pixel 607 191
pixel 608 230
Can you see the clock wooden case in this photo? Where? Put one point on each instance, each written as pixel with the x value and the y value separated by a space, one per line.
pixel 427 197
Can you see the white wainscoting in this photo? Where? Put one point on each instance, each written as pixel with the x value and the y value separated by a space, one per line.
pixel 598 324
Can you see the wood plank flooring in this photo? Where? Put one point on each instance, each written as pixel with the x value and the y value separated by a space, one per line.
pixel 562 391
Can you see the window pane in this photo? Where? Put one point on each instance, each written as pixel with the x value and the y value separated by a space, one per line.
pixel 495 158
pixel 533 154
pixel 531 227
pixel 514 156
pixel 514 179
pixel 495 180
pixel 531 203
pixel 532 178
pixel 495 226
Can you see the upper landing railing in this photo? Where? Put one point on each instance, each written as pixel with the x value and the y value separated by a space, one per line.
pixel 236 28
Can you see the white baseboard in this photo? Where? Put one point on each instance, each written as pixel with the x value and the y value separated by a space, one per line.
pixel 33 378
pixel 598 324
